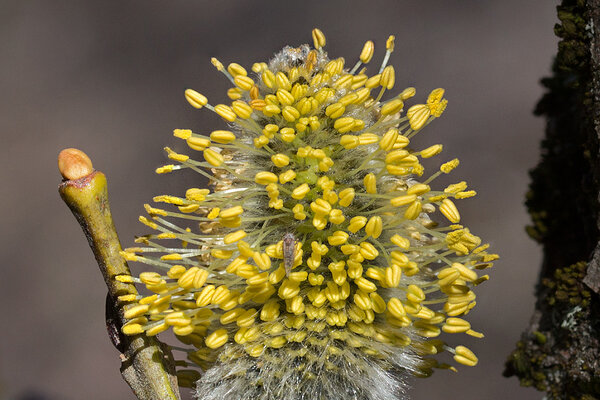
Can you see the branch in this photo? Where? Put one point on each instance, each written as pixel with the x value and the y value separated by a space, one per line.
pixel 145 365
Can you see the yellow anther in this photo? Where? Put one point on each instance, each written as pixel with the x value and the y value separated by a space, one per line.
pixel 465 356
pixel 435 97
pixel 176 271
pixel 365 285
pixel 319 154
pixel 403 200
pixel 287 176
pixel 432 151
pixel 205 296
pixel 400 241
pixel 168 199
pixel 396 156
pixel 335 110
pixel 236 69
pixel 164 169
pixel 318 38
pixel 368 251
pixel 373 81
pixel 222 137
pixel 396 308
pixel 418 189
pixel 217 64
pixel 280 160
pixel 362 95
pixel 358 81
pixel 195 99
pixel 389 44
pixel 343 82
pixel 288 134
pixel 456 325
pixel 358 125
pixel 232 212
pixel 234 237
pixel 242 109
pixel 262 260
pixel 300 276
pixel 265 177
pixel 374 227
pixel 414 294
pixel 388 140
pixel 282 81
pixel 171 257
pixel 348 249
pixel 243 82
pixel 362 300
pixel 407 93
pixel 214 213
pixel 288 289
pixel 367 52
pixel 320 207
pixel 392 275
pixel 270 110
pixel 154 211
pixel 337 238
pixel 225 112
pixel 221 254
pixel 198 144
pixel 348 99
pixel 301 191
pixel 466 273
pixel 285 97
pixel 258 104
pixel 132 329
pixel 216 339
pixel 370 183
pixel 368 138
pixel 290 113
pixel 343 125
pixel 213 158
pixel 259 67
pixel 136 311
pixel 230 316
pixel 388 77
pixel 124 278
pixel 270 311
pixel 247 318
pixel 270 130
pixel 336 217
pixel 356 223
pixel 378 302
pixel 150 278
pixel 401 142
pixel 268 78
pixel 449 210
pixel 349 141
pixel 182 133
pixel 392 107
pixel 413 211
pixel 234 93
pixel 466 195
pixel 418 116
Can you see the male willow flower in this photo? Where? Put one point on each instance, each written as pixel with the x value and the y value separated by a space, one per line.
pixel 311 269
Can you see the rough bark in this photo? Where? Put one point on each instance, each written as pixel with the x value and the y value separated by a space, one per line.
pixel 559 352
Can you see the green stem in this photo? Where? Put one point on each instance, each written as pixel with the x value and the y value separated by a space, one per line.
pixel 145 365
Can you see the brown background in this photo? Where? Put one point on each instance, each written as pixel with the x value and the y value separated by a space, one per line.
pixel 108 77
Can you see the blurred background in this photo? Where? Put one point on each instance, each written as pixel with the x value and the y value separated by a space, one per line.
pixel 108 77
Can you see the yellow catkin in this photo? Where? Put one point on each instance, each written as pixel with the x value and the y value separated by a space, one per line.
pixel 319 237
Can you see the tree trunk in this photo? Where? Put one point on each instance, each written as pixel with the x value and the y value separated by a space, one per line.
pixel 560 351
